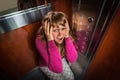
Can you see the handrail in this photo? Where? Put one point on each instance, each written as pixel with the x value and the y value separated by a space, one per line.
pixel 21 18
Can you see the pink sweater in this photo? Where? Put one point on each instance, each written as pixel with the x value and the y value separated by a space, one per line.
pixel 50 55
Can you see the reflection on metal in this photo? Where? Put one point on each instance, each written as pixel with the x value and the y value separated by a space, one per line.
pixel 79 4
pixel 19 19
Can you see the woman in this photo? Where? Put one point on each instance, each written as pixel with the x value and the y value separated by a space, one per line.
pixel 55 46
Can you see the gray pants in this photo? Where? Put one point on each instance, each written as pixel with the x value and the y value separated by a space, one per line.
pixel 67 74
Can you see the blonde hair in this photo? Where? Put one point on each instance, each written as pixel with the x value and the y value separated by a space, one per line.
pixel 54 18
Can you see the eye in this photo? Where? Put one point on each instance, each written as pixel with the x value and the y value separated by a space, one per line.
pixel 63 29
pixel 55 30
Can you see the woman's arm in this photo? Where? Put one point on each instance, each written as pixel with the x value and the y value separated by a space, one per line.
pixel 50 54
pixel 71 53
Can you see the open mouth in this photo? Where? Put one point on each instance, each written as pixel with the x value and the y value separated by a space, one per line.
pixel 60 39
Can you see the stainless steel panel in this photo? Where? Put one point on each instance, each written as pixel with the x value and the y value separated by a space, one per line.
pixel 19 19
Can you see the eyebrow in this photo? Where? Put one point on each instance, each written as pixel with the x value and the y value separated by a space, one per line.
pixel 62 24
pixel 58 27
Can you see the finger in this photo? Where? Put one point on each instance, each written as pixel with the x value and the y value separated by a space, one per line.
pixel 45 26
pixel 67 24
pixel 48 27
pixel 51 29
pixel 51 35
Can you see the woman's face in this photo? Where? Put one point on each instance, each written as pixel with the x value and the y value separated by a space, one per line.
pixel 59 33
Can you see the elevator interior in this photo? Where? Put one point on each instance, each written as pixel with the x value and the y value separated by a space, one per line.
pixel 90 18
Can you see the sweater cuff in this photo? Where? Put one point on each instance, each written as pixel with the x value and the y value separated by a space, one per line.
pixel 67 39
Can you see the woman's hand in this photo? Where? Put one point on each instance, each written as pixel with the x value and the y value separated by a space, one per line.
pixel 48 31
pixel 67 29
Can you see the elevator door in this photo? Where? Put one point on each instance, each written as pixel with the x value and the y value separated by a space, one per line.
pixel 91 18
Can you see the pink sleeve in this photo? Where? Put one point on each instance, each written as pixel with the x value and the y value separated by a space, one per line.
pixel 71 53
pixel 50 54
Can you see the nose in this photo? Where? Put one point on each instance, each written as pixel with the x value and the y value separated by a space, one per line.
pixel 60 33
